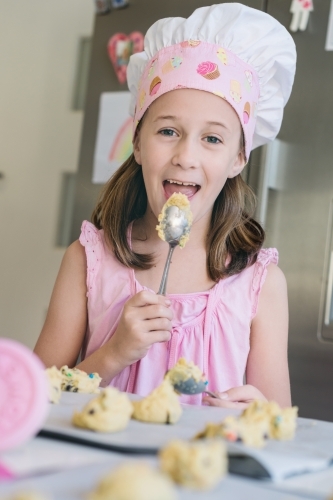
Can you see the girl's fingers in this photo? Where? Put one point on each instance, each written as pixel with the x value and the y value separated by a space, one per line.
pixel 244 393
pixel 155 311
pixel 157 324
pixel 223 403
pixel 145 298
pixel 162 336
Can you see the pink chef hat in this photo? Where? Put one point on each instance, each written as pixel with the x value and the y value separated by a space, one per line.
pixel 241 54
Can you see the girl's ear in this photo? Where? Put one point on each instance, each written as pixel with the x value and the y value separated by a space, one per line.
pixel 238 165
pixel 137 148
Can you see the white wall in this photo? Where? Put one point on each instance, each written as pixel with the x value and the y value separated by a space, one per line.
pixel 39 139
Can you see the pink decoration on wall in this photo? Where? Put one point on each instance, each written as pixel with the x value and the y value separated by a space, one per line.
pixel 120 49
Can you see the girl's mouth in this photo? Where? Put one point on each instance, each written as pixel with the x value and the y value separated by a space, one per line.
pixel 172 186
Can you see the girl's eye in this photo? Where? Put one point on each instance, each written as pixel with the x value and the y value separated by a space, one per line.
pixel 212 139
pixel 168 132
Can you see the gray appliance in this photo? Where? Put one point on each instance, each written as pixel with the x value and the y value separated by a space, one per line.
pixel 296 206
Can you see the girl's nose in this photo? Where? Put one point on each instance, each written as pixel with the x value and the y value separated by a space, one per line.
pixel 186 154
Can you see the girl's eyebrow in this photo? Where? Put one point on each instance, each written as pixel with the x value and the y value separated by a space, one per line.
pixel 173 117
pixel 220 124
pixel 165 117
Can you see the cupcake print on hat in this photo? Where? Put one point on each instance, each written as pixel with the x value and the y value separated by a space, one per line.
pixel 222 55
pixel 246 113
pixel 155 85
pixel 235 91
pixel 172 64
pixel 142 98
pixel 208 70
pixel 190 43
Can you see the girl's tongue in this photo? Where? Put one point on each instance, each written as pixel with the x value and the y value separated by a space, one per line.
pixel 171 188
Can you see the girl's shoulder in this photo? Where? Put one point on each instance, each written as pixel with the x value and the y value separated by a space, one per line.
pixel 266 262
pixel 90 236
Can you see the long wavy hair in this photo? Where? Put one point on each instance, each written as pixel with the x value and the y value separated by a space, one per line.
pixel 234 237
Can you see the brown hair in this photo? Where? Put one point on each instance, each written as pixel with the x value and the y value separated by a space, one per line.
pixel 234 238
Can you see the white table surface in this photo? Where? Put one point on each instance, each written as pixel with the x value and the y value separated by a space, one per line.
pixel 76 481
pixel 67 471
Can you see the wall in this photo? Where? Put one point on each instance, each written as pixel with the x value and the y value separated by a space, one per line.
pixel 39 139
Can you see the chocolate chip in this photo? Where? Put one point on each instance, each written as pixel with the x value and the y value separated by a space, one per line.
pixel 91 412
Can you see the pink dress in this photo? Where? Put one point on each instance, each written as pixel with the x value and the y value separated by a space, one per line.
pixel 210 328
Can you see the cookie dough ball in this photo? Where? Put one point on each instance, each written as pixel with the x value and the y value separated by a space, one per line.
pixel 54 377
pixel 275 422
pixel 75 380
pixel 183 370
pixel 283 422
pixel 137 481
pixel 161 406
pixel 200 465
pixel 228 429
pixel 109 412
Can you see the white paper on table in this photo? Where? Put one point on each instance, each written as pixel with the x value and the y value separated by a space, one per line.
pixel 76 484
pixel 310 451
pixel 329 34
pixel 42 455
pixel 114 135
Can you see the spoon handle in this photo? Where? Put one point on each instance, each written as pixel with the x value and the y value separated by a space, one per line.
pixel 162 289
pixel 212 394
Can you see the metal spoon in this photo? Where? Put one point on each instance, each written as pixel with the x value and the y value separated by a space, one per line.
pixel 192 386
pixel 175 225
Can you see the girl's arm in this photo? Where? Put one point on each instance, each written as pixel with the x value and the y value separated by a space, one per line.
pixel 267 373
pixel 63 332
pixel 146 319
pixel 267 366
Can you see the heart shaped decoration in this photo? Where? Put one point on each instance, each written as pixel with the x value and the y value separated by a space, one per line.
pixel 120 48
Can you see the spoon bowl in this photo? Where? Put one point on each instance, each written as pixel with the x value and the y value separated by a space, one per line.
pixel 175 224
pixel 175 227
pixel 191 386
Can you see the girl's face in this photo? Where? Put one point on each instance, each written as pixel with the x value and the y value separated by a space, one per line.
pixel 189 142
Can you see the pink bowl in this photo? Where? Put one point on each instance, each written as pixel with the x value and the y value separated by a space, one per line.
pixel 23 394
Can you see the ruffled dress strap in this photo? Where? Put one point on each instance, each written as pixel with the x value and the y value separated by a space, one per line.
pixel 265 257
pixel 90 239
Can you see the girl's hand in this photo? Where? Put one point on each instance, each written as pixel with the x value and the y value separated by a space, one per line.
pixel 237 397
pixel 146 319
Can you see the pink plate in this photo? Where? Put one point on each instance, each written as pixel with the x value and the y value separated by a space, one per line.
pixel 23 394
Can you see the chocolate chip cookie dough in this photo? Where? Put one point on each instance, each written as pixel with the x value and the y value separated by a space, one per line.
pixel 75 380
pixel 54 377
pixel 161 406
pixel 261 420
pixel 183 370
pixel 197 465
pixel 108 412
pixel 136 480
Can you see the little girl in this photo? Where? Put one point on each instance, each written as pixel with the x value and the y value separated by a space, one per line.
pixel 205 91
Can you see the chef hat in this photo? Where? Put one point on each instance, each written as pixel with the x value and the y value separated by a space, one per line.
pixel 238 53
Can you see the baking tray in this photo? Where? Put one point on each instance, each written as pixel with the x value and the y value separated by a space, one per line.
pixel 311 450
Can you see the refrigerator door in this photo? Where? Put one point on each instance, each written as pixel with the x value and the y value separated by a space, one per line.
pixel 295 204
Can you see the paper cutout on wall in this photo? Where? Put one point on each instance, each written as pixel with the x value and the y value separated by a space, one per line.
pixel 300 10
pixel 120 49
pixel 329 34
pixel 114 135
